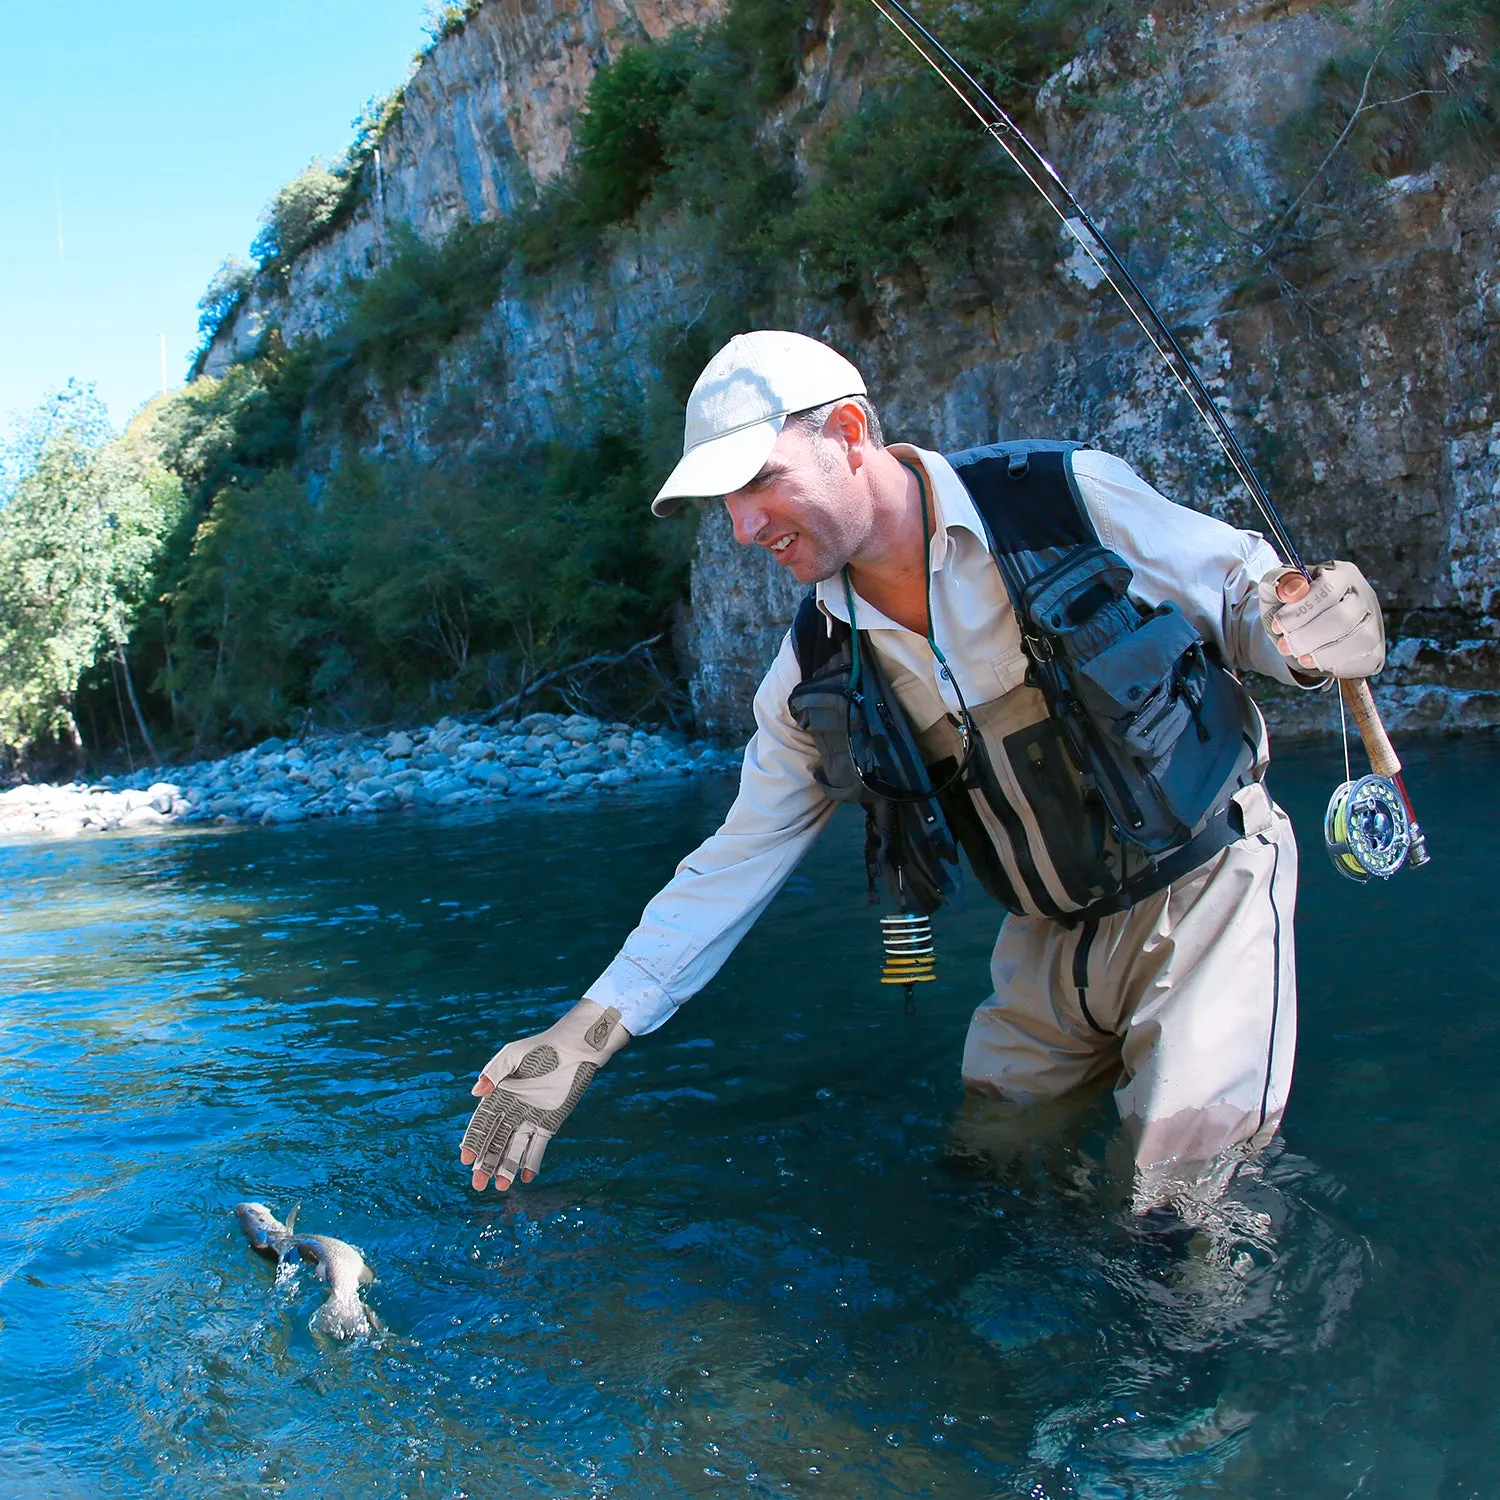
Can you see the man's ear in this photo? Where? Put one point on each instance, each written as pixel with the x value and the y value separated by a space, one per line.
pixel 847 425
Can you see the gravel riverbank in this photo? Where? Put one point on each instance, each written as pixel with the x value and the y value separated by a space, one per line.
pixel 448 765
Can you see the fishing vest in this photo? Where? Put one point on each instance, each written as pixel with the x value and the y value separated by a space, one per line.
pixel 1103 777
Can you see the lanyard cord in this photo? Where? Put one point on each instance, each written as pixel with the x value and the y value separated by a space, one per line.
pixel 937 651
pixel 967 736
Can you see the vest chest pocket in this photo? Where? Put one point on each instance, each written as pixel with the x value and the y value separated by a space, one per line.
pixel 820 707
pixel 1147 685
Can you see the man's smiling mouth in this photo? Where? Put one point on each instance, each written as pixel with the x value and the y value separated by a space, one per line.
pixel 783 542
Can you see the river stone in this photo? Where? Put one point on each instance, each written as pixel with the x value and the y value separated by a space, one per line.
pixel 490 776
pixel 142 817
pixel 398 745
pixel 284 812
pixel 433 793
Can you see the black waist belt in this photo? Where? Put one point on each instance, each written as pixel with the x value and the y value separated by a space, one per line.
pixel 1218 833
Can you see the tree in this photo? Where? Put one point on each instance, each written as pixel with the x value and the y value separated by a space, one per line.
pixel 228 288
pixel 78 538
pixel 297 215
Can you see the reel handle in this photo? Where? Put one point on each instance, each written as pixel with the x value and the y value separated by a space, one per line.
pixel 1360 702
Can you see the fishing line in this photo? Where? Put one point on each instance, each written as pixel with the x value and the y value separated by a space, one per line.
pixel 1043 176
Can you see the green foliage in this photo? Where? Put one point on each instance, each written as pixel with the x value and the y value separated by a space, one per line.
pixel 370 125
pixel 619 151
pixel 298 214
pixel 225 291
pixel 445 17
pixel 354 603
pixel 401 320
pixel 680 125
pixel 78 540
pixel 766 39
pixel 1421 84
pixel 246 615
pixel 232 432
pixel 618 142
pixel 74 409
pixel 908 169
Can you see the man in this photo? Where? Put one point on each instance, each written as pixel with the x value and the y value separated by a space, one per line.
pixel 1169 971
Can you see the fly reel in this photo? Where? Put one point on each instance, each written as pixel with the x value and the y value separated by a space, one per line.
pixel 1367 829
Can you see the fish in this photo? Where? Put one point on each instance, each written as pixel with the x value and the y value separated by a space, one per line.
pixel 268 1236
pixel 344 1271
pixel 339 1265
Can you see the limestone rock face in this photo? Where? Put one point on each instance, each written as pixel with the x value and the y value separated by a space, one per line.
pixel 742 604
pixel 487 115
pixel 1360 369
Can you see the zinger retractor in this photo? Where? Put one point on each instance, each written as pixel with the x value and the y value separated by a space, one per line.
pixel 909 955
pixel 1368 831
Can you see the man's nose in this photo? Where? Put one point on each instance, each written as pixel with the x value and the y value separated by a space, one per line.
pixel 748 516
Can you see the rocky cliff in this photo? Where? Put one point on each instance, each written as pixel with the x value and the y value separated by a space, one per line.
pixel 1357 348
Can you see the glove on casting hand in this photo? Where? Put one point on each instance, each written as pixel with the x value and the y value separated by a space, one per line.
pixel 529 1088
pixel 1335 628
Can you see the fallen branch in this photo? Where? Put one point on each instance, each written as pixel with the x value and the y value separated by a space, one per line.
pixel 545 679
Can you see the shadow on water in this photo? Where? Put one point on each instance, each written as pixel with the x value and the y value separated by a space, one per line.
pixel 760 1261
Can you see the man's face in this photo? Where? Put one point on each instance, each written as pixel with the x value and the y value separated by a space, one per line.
pixel 806 507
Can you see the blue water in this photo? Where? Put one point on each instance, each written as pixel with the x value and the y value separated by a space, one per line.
pixel 757 1262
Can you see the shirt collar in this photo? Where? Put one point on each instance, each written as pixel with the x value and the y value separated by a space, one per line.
pixel 953 510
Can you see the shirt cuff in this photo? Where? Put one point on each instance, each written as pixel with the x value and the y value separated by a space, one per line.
pixel 643 1004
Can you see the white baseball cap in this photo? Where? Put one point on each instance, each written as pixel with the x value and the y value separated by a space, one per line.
pixel 741 402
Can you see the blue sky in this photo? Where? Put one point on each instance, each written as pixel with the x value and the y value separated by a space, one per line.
pixel 147 137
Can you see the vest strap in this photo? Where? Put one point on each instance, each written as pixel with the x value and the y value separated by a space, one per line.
pixel 1223 829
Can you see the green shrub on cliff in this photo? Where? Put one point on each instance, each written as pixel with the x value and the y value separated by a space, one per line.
pixel 298 214
pixel 680 126
pixel 1421 85
pixel 401 320
pixel 227 288
pixel 619 150
pixel 908 169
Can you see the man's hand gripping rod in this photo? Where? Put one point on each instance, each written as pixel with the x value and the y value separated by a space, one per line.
pixel 1042 175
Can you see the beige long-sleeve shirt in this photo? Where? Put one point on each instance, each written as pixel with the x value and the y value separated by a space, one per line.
pixel 1208 569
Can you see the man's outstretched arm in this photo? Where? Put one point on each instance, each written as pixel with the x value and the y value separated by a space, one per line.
pixel 685 934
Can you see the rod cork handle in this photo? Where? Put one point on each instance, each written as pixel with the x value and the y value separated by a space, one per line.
pixel 1361 705
pixel 1356 693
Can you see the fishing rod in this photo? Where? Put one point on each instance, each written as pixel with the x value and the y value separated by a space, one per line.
pixel 1370 827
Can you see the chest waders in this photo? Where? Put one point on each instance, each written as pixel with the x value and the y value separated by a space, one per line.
pixel 1122 782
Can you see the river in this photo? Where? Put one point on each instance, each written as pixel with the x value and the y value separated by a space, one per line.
pixel 754 1265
